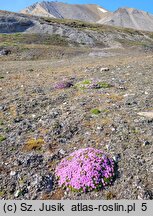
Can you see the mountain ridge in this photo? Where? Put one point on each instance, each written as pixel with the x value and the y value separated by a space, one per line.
pixel 123 17
pixel 86 12
pixel 129 18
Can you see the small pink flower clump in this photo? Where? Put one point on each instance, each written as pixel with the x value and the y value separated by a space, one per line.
pixel 85 170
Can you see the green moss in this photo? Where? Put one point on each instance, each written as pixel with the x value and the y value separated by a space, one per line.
pixel 2 193
pixel 83 84
pixel 1 123
pixel 95 111
pixel 135 131
pixel 2 138
pixel 86 82
pixel 103 85
pixel 75 190
pixel 107 180
pixel 106 111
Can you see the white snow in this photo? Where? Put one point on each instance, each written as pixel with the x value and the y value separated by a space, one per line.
pixel 103 10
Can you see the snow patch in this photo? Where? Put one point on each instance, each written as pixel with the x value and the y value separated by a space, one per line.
pixel 103 10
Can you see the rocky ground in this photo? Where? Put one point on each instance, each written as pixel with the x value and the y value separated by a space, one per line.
pixel 49 108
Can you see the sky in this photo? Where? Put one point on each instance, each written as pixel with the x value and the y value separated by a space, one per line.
pixel 111 5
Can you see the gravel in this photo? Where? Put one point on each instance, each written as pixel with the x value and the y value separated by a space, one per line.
pixel 42 125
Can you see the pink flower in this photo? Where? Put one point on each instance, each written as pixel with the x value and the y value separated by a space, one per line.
pixel 86 170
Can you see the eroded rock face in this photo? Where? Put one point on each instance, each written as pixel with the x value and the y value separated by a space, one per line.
pixel 11 23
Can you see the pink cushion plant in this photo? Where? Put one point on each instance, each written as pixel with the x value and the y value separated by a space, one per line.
pixel 85 170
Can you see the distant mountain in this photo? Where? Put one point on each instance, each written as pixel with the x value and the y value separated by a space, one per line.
pixel 86 12
pixel 129 18
pixel 123 17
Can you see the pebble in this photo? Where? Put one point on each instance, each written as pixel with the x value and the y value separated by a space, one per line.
pixel 146 114
pixel 17 193
pixel 61 151
pixel 117 158
pixel 104 69
pixel 113 129
pixel 65 193
pixel 145 143
pixel 12 173
pixel 108 147
pixel 99 128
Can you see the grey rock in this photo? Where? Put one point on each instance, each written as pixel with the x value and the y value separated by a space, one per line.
pixel 17 193
pixel 61 151
pixel 45 183
pixel 117 158
pixel 5 52
pixel 145 143
pixel 104 69
pixel 13 173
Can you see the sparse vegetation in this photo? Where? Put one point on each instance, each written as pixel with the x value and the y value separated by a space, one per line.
pixel 81 25
pixel 86 82
pixel 33 144
pixel 116 97
pixel 2 138
pixel 19 39
pixel 95 111
pixel 129 43
pixel 83 84
pixel 2 193
pixel 1 122
pixel 103 85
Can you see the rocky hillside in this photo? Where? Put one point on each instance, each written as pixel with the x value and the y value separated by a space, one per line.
pixel 73 32
pixel 123 17
pixel 129 18
pixel 87 12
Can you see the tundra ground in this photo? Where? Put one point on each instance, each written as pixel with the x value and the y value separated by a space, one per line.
pixel 40 124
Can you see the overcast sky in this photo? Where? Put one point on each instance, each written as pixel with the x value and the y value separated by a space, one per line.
pixel 147 5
